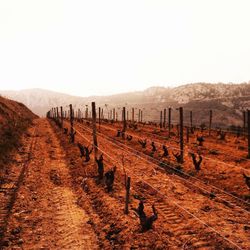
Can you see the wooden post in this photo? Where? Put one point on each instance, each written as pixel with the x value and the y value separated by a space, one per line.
pixel 124 119
pixel 191 120
pixel 102 115
pixel 94 128
pixel 169 122
pixel 127 115
pixel 113 114
pixel 127 194
pixel 61 116
pixel 187 131
pixel 133 114
pixel 57 114
pixel 71 115
pixel 71 119
pixel 164 118
pixel 248 133
pixel 139 115
pixel 181 135
pixel 161 119
pixel 210 121
pixel 86 113
pixel 99 117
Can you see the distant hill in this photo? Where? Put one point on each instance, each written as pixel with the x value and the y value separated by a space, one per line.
pixel 227 101
pixel 40 100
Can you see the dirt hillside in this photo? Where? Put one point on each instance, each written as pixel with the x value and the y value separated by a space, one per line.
pixel 12 110
pixel 15 117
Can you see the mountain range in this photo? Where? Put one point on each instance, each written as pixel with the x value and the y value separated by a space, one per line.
pixel 226 100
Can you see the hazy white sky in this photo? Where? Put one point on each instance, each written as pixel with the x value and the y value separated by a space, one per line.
pixel 104 47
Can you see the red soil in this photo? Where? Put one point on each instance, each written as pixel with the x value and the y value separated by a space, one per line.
pixel 62 205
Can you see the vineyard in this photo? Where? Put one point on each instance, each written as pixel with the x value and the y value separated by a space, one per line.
pixel 160 185
pixel 111 179
pixel 124 125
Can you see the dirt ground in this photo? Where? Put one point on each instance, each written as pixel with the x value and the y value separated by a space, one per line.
pixel 46 214
pixel 63 205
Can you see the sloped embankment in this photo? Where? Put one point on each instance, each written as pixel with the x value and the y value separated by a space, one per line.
pixel 15 117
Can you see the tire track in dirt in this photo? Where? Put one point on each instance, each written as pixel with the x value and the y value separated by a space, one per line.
pixel 12 180
pixel 46 215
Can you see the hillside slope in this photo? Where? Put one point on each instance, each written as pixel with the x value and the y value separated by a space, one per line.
pixel 227 100
pixel 15 117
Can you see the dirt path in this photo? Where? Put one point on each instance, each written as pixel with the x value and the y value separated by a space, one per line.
pixel 46 214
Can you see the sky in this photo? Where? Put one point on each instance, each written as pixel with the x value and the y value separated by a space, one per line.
pixel 106 47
